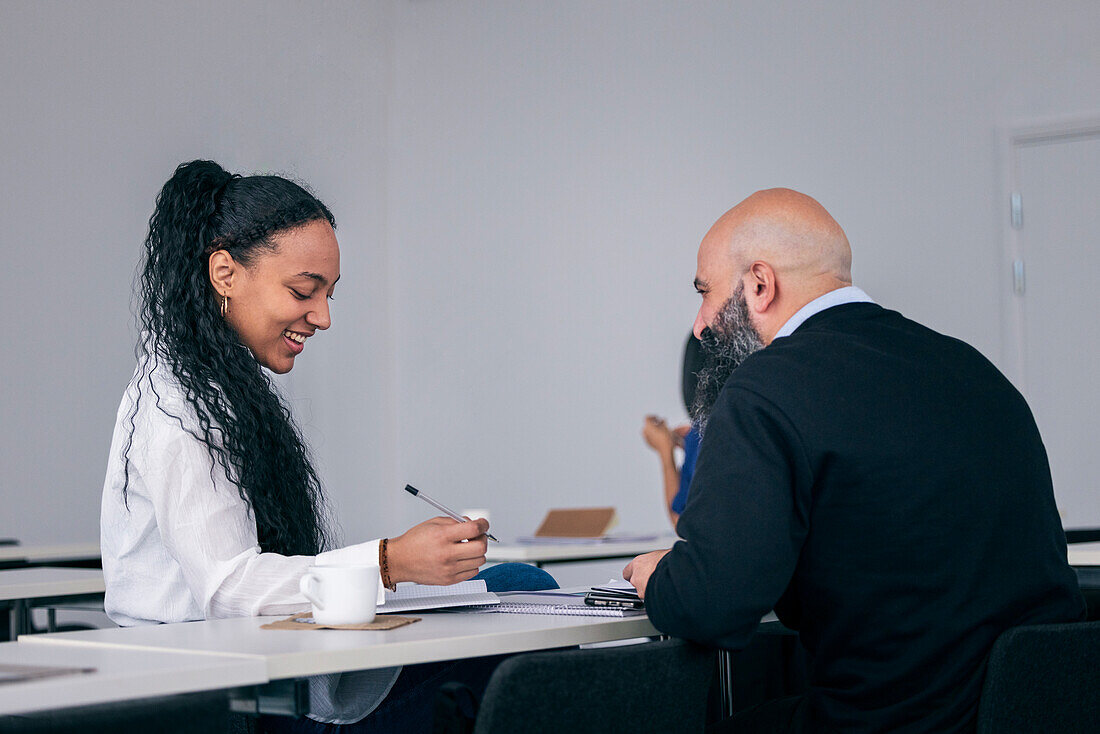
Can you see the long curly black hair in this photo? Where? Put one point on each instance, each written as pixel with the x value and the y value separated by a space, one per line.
pixel 245 425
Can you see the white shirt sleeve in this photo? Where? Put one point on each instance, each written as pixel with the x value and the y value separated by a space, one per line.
pixel 179 543
pixel 209 530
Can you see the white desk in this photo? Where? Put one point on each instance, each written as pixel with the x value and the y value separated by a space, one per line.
pixel 179 658
pixel 1084 554
pixel 539 554
pixel 120 675
pixel 496 553
pixel 41 554
pixel 1080 554
pixel 20 585
pixel 291 654
pixel 37 583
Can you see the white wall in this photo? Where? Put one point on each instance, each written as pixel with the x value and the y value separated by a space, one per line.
pixel 101 101
pixel 520 188
pixel 554 166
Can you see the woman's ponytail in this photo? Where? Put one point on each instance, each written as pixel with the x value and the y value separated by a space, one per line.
pixel 180 233
pixel 185 204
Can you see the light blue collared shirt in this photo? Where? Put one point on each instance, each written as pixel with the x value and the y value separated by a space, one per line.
pixel 847 294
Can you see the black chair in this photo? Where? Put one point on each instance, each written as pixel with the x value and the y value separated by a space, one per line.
pixel 773 664
pixel 1089 581
pixel 1043 678
pixel 648 687
pixel 1082 535
pixel 1087 577
pixel 182 714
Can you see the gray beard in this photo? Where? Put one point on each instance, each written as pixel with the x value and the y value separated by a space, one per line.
pixel 726 344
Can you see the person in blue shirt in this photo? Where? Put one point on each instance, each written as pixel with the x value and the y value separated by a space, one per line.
pixel 665 440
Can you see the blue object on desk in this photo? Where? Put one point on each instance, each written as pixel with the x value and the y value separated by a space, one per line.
pixel 516 577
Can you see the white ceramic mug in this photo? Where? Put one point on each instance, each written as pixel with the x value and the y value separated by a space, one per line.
pixel 341 594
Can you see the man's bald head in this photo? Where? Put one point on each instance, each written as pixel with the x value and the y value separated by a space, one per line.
pixel 790 231
pixel 781 249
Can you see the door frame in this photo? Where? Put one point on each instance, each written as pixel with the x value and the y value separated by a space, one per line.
pixel 1012 138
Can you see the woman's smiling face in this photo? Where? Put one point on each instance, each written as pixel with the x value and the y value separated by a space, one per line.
pixel 281 298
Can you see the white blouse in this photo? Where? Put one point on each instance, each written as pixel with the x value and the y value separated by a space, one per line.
pixel 181 545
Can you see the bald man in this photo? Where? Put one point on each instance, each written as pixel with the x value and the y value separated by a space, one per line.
pixel 880 486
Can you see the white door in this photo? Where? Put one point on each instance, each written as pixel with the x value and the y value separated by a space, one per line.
pixel 1056 294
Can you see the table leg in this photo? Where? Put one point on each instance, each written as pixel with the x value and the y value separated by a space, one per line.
pixel 18 618
pixel 725 682
pixel 289 697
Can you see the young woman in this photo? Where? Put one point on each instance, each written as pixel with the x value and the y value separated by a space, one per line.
pixel 211 506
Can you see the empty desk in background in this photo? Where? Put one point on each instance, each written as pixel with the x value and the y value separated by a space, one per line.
pixel 21 588
pixel 1080 554
pixel 59 554
pixel 1084 554
pixel 543 553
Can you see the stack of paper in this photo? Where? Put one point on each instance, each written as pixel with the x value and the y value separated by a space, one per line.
pixel 621 585
pixel 556 602
pixel 410 597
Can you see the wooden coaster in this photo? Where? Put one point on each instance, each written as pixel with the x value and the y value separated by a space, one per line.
pixel 381 622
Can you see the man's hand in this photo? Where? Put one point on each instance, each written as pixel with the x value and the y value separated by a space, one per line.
pixel 638 571
pixel 433 552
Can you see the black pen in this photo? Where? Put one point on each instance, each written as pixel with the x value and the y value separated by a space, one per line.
pixel 445 510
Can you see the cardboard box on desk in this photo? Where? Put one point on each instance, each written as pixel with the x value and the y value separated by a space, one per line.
pixel 583 522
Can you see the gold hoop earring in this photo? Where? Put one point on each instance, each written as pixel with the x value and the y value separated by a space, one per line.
pixel 225 306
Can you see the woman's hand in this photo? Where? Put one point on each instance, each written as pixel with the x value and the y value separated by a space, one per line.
pixel 433 552
pixel 657 434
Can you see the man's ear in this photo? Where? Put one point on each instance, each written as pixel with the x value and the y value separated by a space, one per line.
pixel 222 271
pixel 761 287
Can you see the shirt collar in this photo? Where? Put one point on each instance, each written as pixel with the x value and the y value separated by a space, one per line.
pixel 847 294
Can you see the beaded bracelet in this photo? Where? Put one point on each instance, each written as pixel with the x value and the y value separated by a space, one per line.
pixel 384 566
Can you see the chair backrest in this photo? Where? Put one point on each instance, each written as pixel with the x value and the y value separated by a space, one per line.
pixel 648 687
pixel 1043 678
pixel 1082 535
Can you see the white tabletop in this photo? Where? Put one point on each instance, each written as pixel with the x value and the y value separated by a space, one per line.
pixel 1084 554
pixel 120 675
pixel 292 653
pixel 43 553
pixel 1080 554
pixel 551 552
pixel 36 583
